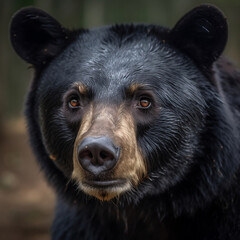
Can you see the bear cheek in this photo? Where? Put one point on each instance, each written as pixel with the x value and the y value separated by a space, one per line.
pixel 132 164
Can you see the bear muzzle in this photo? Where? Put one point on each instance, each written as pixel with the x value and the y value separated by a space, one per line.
pixel 107 159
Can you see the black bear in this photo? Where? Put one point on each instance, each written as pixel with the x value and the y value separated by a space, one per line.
pixel 136 126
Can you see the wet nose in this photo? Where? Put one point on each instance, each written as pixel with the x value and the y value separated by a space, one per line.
pixel 98 154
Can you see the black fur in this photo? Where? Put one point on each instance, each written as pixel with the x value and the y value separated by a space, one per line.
pixel 189 138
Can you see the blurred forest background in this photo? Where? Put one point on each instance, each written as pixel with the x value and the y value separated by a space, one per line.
pixel 26 202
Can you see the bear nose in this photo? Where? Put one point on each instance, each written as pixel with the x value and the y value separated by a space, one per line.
pixel 98 154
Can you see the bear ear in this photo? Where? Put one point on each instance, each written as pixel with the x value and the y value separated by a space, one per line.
pixel 201 34
pixel 36 36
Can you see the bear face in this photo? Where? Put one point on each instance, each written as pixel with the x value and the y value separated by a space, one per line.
pixel 121 112
pixel 108 93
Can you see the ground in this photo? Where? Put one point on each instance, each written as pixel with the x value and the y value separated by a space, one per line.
pixel 26 202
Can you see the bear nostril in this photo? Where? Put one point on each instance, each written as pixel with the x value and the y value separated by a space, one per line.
pixel 106 156
pixel 86 154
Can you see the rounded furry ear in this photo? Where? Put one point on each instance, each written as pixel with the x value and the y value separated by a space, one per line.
pixel 201 34
pixel 36 36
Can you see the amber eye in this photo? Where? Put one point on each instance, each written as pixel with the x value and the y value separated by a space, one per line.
pixel 74 103
pixel 144 103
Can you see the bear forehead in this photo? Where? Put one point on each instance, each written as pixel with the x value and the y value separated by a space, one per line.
pixel 106 50
pixel 106 58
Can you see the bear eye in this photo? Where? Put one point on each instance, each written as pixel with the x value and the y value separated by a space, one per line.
pixel 74 103
pixel 144 103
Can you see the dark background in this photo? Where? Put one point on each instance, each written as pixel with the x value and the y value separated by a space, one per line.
pixel 26 202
